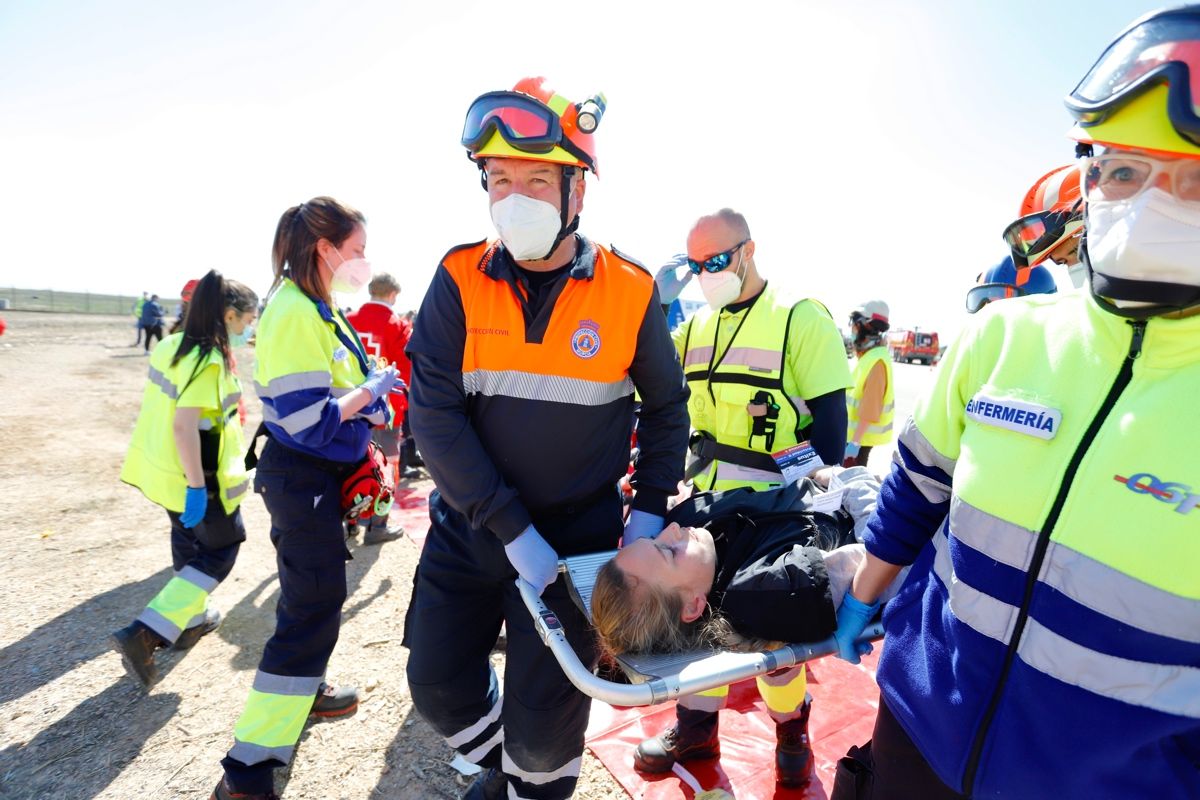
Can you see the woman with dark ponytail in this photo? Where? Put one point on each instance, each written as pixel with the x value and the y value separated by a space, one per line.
pixel 186 456
pixel 320 400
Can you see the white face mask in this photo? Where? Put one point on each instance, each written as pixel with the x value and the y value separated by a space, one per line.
pixel 721 288
pixel 350 275
pixel 528 227
pixel 1152 237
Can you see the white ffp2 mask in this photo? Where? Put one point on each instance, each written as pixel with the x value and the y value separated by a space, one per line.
pixel 528 227
pixel 1152 237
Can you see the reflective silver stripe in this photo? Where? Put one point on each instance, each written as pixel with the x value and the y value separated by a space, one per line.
pixel 251 754
pixel 159 624
pixel 698 355
pixel 482 750
pixel 736 472
pixel 996 538
pixel 879 428
pixel 290 685
pixel 196 621
pixel 341 391
pixel 703 702
pixel 295 382
pixel 551 388
pixel 982 612
pixel 467 734
pixel 230 401
pixel 205 583
pixel 296 421
pixel 205 424
pixel 1166 688
pixel 756 358
pixel 1120 596
pixel 568 770
pixel 853 403
pixel 934 490
pixel 163 382
pixel 237 490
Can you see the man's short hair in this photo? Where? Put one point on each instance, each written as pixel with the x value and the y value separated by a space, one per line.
pixel 382 285
pixel 736 222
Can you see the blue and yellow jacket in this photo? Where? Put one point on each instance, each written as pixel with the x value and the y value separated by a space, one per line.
pixel 308 356
pixel 1047 641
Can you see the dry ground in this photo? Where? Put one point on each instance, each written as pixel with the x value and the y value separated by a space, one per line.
pixel 82 553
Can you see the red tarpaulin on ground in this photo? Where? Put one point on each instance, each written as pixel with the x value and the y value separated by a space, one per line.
pixel 845 699
pixel 410 508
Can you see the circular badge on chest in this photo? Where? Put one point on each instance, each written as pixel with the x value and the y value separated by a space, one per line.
pixel 585 342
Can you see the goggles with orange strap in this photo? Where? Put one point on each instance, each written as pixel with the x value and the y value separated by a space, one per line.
pixel 525 122
pixel 1035 234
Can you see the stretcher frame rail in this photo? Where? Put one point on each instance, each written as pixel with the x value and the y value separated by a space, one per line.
pixel 658 679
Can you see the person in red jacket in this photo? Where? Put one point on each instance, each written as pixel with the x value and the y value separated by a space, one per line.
pixel 384 336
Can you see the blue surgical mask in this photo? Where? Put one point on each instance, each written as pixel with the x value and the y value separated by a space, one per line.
pixel 240 339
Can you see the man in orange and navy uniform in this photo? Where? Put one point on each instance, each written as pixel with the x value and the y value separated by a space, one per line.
pixel 524 368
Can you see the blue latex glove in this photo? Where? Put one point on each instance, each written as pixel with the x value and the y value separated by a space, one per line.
pixel 852 449
pixel 400 387
pixel 380 381
pixel 533 559
pixel 194 506
pixel 641 525
pixel 852 617
pixel 669 280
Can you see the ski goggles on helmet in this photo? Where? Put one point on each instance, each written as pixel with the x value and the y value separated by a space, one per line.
pixel 714 263
pixel 525 122
pixel 1034 234
pixel 1116 177
pixel 1162 48
pixel 980 296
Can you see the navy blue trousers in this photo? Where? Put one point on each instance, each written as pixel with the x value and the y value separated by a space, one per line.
pixel 464 589
pixel 304 501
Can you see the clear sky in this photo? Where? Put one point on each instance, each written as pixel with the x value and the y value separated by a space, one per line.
pixel 878 148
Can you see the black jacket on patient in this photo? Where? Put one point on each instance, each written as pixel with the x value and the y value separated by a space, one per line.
pixel 771 581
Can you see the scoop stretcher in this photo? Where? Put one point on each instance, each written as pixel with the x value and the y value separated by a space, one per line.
pixel 657 678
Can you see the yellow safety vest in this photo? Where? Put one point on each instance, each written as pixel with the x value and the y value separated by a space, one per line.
pixel 771 355
pixel 152 463
pixel 1068 567
pixel 880 431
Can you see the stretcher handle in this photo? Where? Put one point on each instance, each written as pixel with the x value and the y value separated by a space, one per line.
pixel 690 680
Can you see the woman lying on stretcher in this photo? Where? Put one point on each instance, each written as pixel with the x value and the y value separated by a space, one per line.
pixel 754 576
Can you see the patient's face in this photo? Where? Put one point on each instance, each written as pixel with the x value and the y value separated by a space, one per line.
pixel 684 559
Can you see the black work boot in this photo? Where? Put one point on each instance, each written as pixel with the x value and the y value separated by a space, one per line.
pixel 693 737
pixel 136 643
pixel 491 784
pixel 223 792
pixel 189 636
pixel 332 701
pixel 793 755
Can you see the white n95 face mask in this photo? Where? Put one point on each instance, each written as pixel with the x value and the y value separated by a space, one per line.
pixel 1152 238
pixel 721 288
pixel 350 275
pixel 528 227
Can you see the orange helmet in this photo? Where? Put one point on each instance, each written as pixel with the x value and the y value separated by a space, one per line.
pixel 1051 213
pixel 533 122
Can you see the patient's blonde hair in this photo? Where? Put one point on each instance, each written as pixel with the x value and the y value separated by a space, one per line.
pixel 632 616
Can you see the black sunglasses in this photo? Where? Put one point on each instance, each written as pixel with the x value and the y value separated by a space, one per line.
pixel 714 263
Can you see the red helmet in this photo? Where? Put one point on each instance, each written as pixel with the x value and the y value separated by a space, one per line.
pixel 533 122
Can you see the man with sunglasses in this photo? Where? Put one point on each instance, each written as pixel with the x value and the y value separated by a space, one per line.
pixel 524 368
pixel 1047 492
pixel 766 372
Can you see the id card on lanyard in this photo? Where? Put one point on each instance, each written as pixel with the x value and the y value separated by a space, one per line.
pixel 351 342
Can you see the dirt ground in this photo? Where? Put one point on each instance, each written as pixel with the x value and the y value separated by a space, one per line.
pixel 83 553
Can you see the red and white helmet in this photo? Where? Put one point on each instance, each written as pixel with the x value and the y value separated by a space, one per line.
pixel 1051 213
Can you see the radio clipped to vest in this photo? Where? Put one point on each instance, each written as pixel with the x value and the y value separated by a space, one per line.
pixel 764 413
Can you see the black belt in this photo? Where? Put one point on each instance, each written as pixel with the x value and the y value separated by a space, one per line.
pixel 705 449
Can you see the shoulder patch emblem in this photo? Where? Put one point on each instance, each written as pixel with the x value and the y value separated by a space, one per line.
pixel 585 342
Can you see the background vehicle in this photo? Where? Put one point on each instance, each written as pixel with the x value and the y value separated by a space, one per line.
pixel 914 347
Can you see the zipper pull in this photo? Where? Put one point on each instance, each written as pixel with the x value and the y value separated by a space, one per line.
pixel 1139 334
